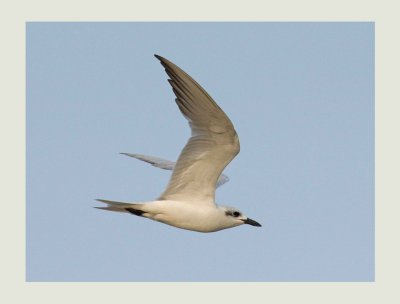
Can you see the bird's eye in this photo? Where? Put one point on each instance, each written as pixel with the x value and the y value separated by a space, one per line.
pixel 236 214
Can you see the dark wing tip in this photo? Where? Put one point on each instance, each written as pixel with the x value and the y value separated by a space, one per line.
pixel 159 57
pixel 165 62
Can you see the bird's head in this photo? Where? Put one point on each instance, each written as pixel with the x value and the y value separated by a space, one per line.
pixel 235 217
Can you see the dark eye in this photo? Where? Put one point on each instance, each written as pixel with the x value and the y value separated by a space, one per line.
pixel 236 214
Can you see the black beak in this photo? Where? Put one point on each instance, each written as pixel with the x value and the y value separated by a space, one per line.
pixel 251 222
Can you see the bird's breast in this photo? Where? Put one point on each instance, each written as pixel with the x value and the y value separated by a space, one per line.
pixel 186 215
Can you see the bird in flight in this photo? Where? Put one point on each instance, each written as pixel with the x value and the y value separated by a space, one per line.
pixel 188 202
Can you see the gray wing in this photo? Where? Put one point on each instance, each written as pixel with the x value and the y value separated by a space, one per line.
pixel 168 165
pixel 223 179
pixel 154 161
pixel 211 147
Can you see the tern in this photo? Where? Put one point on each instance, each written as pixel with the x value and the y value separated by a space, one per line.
pixel 188 202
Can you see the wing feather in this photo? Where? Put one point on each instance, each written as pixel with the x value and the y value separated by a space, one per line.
pixel 211 147
pixel 168 165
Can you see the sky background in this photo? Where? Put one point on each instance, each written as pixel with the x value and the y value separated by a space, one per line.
pixel 301 97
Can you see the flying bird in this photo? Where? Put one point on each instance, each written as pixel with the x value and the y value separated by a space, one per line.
pixel 188 202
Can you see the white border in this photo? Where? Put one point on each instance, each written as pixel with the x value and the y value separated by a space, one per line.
pixel 14 14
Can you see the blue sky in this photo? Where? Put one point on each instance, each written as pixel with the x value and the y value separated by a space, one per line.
pixel 301 97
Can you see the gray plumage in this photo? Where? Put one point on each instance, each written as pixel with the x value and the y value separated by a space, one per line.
pixel 168 165
pixel 211 147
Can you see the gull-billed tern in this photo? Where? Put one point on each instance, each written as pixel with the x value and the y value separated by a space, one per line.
pixel 188 202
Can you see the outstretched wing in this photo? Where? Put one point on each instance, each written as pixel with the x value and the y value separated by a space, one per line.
pixel 211 147
pixel 168 165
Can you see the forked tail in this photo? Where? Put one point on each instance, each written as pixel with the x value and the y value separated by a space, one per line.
pixel 121 207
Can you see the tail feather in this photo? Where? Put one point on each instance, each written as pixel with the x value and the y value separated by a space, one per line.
pixel 112 209
pixel 115 203
pixel 120 207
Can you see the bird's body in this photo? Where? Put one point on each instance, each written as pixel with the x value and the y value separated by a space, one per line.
pixel 181 214
pixel 188 202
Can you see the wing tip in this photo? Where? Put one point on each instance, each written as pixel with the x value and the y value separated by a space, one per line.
pixel 164 62
pixel 127 154
pixel 159 57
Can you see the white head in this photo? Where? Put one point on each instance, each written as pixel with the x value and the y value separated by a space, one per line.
pixel 233 217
